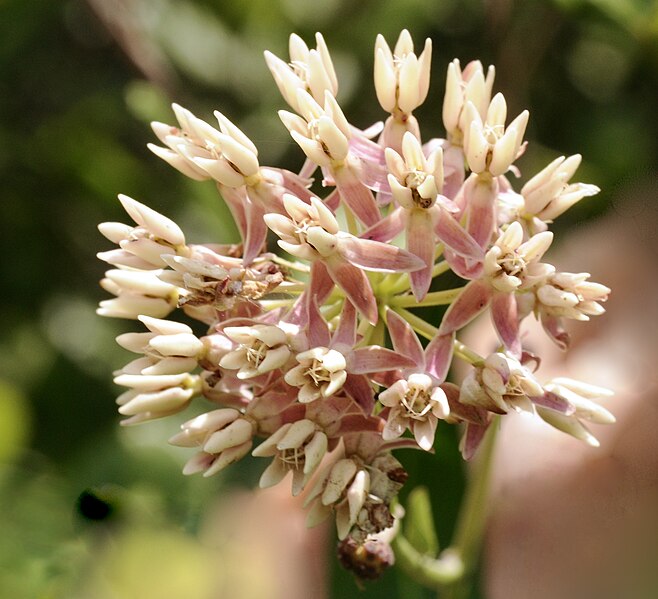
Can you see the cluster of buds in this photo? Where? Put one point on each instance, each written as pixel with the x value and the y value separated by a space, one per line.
pixel 292 354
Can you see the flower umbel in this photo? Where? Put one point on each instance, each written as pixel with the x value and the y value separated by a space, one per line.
pixel 315 357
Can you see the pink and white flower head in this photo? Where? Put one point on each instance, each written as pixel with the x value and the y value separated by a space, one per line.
pixel 316 356
pixel 416 183
pixel 462 87
pixel 201 152
pixel 512 264
pixel 260 349
pixel 402 79
pixel 141 247
pixel 501 384
pixel 489 145
pixel 322 131
pixel 160 383
pixel 549 194
pixel 310 70
pixel 296 447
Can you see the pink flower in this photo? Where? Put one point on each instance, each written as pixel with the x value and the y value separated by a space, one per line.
pixel 311 232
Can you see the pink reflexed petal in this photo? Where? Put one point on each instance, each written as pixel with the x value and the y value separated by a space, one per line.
pixel 472 438
pixel 404 340
pixel 373 358
pixel 555 330
pixel 236 200
pixel 374 174
pixel 318 329
pixel 451 233
pixel 354 282
pixel 357 196
pixel 466 269
pixel 506 321
pixel 366 148
pixel 481 200
pixel 438 355
pixel 421 243
pixel 389 227
pixel 375 255
pixel 332 201
pixel 308 168
pixel 471 301
pixel 293 183
pixel 320 286
pixel 554 402
pixel 359 389
pixel 256 232
pixel 345 335
pixel 453 168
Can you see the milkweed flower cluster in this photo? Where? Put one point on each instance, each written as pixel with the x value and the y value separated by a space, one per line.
pixel 314 361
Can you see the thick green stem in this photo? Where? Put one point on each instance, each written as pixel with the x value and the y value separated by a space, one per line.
pixel 451 573
pixel 434 298
pixel 427 570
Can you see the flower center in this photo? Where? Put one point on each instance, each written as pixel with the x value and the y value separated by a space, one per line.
pixel 256 353
pixel 512 264
pixel 318 373
pixel 417 401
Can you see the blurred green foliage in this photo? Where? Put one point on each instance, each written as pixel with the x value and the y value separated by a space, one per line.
pixel 79 82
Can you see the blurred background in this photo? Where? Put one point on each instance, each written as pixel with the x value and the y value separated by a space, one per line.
pixel 92 510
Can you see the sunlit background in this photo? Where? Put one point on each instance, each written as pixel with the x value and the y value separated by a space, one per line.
pixel 91 510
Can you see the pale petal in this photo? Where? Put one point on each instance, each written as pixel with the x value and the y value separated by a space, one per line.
pixel 404 340
pixel 156 223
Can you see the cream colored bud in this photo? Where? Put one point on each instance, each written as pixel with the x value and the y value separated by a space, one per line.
pixel 159 225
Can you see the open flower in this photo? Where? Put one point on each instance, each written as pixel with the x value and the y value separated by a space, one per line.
pixel 414 396
pixel 311 232
pixel 261 348
pixel 510 266
pixel 416 184
pixel 489 145
pixel 296 447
